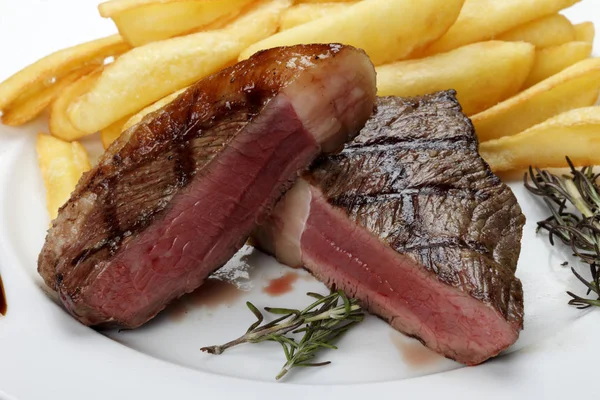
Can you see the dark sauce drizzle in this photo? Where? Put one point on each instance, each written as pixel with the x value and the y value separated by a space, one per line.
pixel 2 299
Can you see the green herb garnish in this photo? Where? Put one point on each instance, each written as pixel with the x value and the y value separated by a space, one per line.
pixel 321 324
pixel 580 229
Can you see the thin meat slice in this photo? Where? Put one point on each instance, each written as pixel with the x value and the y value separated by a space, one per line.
pixel 409 219
pixel 178 194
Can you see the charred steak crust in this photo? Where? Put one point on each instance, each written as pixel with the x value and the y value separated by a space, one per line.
pixel 132 188
pixel 414 178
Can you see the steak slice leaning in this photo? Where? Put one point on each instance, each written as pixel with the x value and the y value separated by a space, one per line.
pixel 410 220
pixel 178 194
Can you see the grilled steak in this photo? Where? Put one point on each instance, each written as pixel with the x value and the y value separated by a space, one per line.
pixel 178 194
pixel 410 220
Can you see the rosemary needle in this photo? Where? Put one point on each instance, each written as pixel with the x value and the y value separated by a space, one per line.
pixel 320 324
pixel 581 229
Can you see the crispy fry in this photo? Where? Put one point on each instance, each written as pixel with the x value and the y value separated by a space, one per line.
pixel 323 1
pixel 388 30
pixel 552 60
pixel 59 123
pixel 170 65
pixel 575 133
pixel 35 77
pixel 303 13
pixel 159 20
pixel 549 31
pixel 120 129
pixel 62 164
pixel 574 87
pixel 585 32
pixel 484 19
pixel 27 109
pixel 114 7
pixel 151 108
pixel 112 132
pixel 483 74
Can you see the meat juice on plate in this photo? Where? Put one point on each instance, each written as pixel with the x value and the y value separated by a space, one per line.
pixel 413 352
pixel 214 293
pixel 281 285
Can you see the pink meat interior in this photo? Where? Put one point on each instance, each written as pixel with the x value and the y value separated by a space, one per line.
pixel 412 300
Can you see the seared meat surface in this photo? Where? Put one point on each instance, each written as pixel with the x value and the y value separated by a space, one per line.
pixel 409 219
pixel 178 194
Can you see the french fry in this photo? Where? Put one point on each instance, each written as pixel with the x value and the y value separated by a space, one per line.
pixel 112 132
pixel 111 8
pixel 552 60
pixel 303 13
pixel 120 132
pixel 323 1
pixel 585 32
pixel 62 164
pixel 58 122
pixel 485 19
pixel 388 30
pixel 151 108
pixel 27 109
pixel 159 20
pixel 36 77
pixel 549 31
pixel 169 65
pixel 574 87
pixel 575 133
pixel 483 74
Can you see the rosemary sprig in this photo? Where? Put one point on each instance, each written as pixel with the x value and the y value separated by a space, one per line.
pixel 580 231
pixel 321 323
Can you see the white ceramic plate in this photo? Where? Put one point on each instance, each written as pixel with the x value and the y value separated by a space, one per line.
pixel 44 353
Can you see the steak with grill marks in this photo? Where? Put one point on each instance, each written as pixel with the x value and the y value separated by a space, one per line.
pixel 410 220
pixel 179 193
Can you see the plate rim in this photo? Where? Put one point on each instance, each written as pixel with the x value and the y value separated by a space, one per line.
pixel 40 355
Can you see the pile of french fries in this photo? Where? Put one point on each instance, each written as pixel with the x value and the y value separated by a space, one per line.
pixel 522 71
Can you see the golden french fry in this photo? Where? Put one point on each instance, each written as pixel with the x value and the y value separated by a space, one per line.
pixel 575 133
pixel 574 87
pixel 113 7
pixel 169 65
pixel 62 164
pixel 37 76
pixel 483 74
pixel 59 123
pixel 120 132
pixel 549 31
pixel 552 60
pixel 388 30
pixel 323 1
pixel 303 13
pixel 112 132
pixel 159 20
pixel 27 109
pixel 485 19
pixel 151 108
pixel 585 32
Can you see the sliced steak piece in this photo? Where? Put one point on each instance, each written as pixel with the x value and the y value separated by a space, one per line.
pixel 180 192
pixel 410 220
